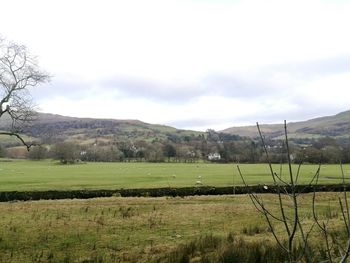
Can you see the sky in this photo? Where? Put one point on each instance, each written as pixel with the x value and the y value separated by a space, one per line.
pixel 190 64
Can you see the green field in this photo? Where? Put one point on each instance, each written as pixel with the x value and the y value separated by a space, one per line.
pixel 22 175
pixel 140 229
pixel 146 229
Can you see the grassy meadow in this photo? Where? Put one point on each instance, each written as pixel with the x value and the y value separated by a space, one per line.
pixel 139 229
pixel 165 229
pixel 24 175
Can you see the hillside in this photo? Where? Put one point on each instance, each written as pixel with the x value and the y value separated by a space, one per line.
pixel 334 126
pixel 52 128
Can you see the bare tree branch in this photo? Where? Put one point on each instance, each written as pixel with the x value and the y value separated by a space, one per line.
pixel 287 187
pixel 346 218
pixel 28 145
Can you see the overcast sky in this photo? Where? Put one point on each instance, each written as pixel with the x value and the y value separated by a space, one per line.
pixel 193 64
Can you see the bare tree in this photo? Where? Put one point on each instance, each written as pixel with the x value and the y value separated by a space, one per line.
pixel 330 240
pixel 294 234
pixel 19 71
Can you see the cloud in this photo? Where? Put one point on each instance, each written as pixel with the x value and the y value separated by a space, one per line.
pixel 234 86
pixel 168 92
pixel 240 85
pixel 188 63
pixel 268 95
pixel 269 81
pixel 316 68
pixel 70 86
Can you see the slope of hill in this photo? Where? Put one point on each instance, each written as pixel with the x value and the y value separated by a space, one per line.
pixel 334 126
pixel 52 127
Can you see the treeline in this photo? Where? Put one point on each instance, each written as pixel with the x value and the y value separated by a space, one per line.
pixel 212 146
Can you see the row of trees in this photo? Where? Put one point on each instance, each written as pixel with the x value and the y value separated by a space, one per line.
pixel 325 150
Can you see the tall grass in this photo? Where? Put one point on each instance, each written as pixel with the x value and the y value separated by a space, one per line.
pixel 232 249
pixel 144 230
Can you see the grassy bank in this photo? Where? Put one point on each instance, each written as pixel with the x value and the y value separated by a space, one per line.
pixel 137 229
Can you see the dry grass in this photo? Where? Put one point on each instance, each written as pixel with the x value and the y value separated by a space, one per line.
pixel 126 229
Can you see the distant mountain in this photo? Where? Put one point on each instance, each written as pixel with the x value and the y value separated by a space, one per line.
pixel 52 128
pixel 334 126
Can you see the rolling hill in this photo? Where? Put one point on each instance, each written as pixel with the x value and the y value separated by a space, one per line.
pixel 333 126
pixel 52 128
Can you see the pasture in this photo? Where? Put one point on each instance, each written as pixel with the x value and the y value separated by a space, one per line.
pixel 23 175
pixel 139 229
pixel 143 229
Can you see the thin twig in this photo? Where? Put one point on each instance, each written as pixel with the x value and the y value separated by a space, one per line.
pixel 27 145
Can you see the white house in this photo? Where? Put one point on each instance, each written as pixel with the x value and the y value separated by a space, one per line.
pixel 214 156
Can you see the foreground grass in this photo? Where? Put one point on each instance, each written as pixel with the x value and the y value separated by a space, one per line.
pixel 21 175
pixel 115 229
pixel 136 229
